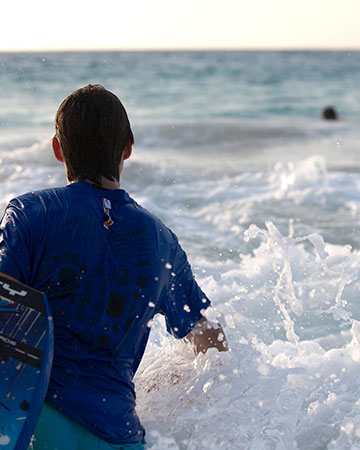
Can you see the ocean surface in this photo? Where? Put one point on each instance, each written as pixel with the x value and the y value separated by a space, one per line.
pixel 232 153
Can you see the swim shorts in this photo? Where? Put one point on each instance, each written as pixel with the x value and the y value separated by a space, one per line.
pixel 56 431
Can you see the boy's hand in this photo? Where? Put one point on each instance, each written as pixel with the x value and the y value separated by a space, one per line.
pixel 207 335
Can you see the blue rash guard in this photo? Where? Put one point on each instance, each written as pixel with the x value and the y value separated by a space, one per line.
pixel 107 266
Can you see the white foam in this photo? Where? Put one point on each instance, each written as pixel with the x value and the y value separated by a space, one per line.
pixel 276 388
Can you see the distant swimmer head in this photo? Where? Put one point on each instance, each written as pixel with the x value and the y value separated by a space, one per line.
pixel 329 113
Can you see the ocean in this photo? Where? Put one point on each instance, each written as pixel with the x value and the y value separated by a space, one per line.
pixel 232 153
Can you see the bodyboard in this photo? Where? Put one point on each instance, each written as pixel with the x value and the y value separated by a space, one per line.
pixel 26 351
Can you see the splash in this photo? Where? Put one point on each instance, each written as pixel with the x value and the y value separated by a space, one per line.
pixel 272 390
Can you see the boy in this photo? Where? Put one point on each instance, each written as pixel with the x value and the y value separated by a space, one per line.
pixel 107 266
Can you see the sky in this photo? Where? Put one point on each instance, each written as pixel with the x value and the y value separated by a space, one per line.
pixel 179 24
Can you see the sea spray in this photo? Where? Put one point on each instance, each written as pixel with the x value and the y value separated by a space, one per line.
pixel 284 292
pixel 272 390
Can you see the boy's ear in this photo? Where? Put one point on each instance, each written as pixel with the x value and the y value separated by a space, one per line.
pixel 127 151
pixel 57 150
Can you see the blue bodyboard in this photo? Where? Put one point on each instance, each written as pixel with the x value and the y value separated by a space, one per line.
pixel 26 351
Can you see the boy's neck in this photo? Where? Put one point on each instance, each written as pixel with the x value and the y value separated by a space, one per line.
pixel 105 184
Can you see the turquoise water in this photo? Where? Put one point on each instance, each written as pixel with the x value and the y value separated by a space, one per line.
pixel 184 85
pixel 232 153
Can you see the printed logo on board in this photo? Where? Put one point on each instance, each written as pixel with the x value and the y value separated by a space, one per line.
pixel 12 291
pixel 7 340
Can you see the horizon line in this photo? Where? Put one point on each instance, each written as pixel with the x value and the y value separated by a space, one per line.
pixel 179 49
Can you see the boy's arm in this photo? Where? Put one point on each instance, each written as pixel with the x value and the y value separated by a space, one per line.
pixel 207 335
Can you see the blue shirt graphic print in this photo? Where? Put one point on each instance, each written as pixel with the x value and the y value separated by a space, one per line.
pixel 107 266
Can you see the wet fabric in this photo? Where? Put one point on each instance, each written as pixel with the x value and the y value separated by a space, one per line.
pixel 107 266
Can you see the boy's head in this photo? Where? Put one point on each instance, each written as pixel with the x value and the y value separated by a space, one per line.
pixel 93 129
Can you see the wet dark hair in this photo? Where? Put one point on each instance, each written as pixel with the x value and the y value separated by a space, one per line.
pixel 93 129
